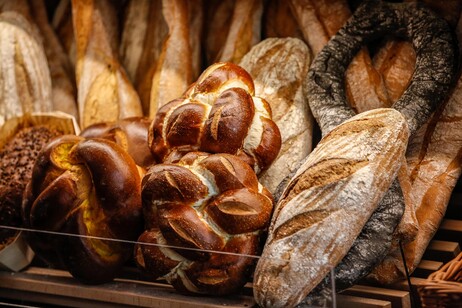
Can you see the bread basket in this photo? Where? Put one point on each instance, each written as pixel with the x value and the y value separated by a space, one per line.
pixel 443 288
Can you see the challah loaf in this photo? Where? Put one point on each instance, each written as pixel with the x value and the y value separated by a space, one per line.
pixel 209 204
pixel 217 114
pixel 130 133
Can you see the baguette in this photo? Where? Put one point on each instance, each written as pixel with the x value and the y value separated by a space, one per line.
pixel 62 24
pixel 237 29
pixel 174 68
pixel 326 204
pixel 145 35
pixel 104 92
pixel 279 21
pixel 62 80
pixel 278 67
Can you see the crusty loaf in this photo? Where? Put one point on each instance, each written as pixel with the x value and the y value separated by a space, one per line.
pixel 25 82
pixel 278 67
pixel 326 204
pixel 234 27
pixel 174 69
pixel 147 49
pixel 104 91
pixel 62 74
pixel 279 21
pixel 319 20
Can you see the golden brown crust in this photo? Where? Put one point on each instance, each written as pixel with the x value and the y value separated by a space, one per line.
pixel 218 114
pixel 90 188
pixel 174 70
pixel 210 204
pixel 104 91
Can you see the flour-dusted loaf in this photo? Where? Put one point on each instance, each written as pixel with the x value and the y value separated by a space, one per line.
pixel 326 204
pixel 25 82
pixel 278 67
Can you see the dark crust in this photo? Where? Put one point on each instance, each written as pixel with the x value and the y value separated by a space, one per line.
pixel 434 73
pixel 433 77
pixel 371 246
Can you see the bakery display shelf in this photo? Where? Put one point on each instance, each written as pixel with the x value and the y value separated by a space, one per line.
pixel 47 286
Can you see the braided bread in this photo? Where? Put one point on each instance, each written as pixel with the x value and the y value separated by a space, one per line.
pixel 204 202
pixel 217 114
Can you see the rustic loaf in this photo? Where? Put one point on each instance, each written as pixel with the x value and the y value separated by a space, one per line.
pixel 25 85
pixel 326 204
pixel 278 67
pixel 328 102
pixel 104 91
pixel 234 26
pixel 174 70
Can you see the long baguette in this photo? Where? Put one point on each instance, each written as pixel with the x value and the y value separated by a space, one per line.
pixel 104 92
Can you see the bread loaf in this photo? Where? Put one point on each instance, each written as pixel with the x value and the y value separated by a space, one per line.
pixel 279 21
pixel 145 37
pixel 90 188
pixel 209 204
pixel 278 67
pixel 25 85
pixel 104 91
pixel 326 204
pixel 321 19
pixel 234 27
pixel 64 28
pixel 327 99
pixel 61 72
pixel 174 69
pixel 218 114
pixel 129 133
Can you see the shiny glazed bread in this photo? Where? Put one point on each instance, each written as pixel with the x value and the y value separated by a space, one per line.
pixel 204 202
pixel 90 188
pixel 217 114
pixel 130 133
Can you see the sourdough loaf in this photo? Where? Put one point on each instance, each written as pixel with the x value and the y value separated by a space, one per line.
pixel 327 203
pixel 278 67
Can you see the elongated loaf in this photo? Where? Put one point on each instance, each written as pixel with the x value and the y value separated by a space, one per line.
pixel 104 91
pixel 278 67
pixel 327 203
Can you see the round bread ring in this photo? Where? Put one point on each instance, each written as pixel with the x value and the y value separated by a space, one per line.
pixel 433 77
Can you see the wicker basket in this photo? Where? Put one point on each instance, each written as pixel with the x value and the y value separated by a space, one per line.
pixel 443 288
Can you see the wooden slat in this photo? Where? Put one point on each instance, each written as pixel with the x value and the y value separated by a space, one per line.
pixel 426 267
pixel 120 292
pixel 398 298
pixel 450 230
pixel 443 251
pixel 348 301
